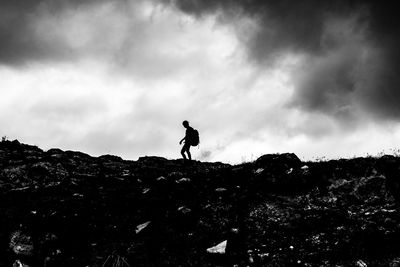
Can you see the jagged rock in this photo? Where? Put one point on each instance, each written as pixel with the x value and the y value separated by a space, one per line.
pixel 161 179
pixel 184 210
pixel 17 175
pixel 258 171
pixel 145 190
pixel 370 186
pixel 183 180
pixel 361 263
pixel 395 263
pixel 18 263
pixel 21 244
pixel 142 226
pixel 341 185
pixel 218 249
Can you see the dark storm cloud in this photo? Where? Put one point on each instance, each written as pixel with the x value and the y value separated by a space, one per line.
pixel 20 41
pixel 350 50
pixel 383 89
pixel 284 25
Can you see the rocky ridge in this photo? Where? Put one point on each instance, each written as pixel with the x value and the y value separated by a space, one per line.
pixel 66 208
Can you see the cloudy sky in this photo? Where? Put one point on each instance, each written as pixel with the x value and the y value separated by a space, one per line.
pixel 317 78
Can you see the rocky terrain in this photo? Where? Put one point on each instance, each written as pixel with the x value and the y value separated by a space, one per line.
pixel 66 208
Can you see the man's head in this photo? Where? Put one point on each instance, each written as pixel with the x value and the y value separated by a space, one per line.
pixel 185 124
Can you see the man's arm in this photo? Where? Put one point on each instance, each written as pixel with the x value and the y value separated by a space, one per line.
pixel 182 140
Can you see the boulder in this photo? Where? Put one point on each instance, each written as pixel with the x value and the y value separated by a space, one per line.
pixel 280 173
pixel 287 159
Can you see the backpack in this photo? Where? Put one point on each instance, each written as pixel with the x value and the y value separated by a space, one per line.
pixel 194 138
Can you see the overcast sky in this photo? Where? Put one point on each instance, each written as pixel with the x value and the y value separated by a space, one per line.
pixel 317 78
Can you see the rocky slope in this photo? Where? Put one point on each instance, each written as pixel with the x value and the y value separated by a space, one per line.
pixel 65 208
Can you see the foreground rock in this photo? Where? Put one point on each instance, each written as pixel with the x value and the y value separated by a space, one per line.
pixel 218 249
pixel 66 208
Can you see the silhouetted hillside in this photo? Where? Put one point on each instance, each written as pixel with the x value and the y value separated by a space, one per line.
pixel 66 208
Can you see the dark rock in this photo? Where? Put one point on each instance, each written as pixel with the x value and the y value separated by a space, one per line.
pixel 110 158
pixel 395 263
pixel 281 172
pixel 54 151
pixel 342 186
pixel 21 244
pixel 288 160
pixel 370 186
pixel 152 159
pixel 389 166
pixel 78 155
pixel 18 263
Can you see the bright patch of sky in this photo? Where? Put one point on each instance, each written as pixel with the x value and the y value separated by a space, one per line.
pixel 131 72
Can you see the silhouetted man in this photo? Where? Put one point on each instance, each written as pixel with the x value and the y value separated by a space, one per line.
pixel 186 145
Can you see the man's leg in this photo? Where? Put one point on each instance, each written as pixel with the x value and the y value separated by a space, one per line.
pixel 183 152
pixel 188 152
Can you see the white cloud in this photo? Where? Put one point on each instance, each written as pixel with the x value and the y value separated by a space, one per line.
pixel 138 69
